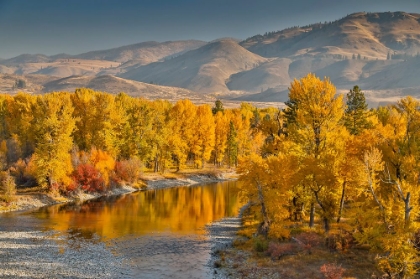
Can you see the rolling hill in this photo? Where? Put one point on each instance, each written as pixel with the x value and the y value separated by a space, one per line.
pixel 204 70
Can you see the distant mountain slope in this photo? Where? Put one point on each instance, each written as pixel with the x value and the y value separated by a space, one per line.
pixel 373 35
pixel 26 58
pixel 204 70
pixel 268 75
pixel 143 53
pixel 110 84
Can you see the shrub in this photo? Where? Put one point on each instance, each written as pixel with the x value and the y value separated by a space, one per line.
pixel 260 244
pixel 278 250
pixel 103 162
pixel 332 271
pixel 87 178
pixel 8 187
pixel 24 172
pixel 340 242
pixel 309 240
pixel 127 171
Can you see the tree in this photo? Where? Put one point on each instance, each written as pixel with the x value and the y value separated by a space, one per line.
pixel 222 128
pixel 19 117
pixel 183 116
pixel 218 106
pixel 232 145
pixel 318 135
pixel 53 125
pixel 203 139
pixel 20 84
pixel 99 121
pixel 356 114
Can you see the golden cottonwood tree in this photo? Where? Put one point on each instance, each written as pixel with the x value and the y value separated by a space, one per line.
pixel 221 136
pixel 182 118
pixel 202 141
pixel 18 121
pixel 98 120
pixel 53 124
pixel 267 182
pixel 318 133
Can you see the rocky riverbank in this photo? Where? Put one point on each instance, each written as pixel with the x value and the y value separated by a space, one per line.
pixel 35 254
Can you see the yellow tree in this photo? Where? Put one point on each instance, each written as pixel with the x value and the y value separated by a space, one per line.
pixel 402 153
pixel 18 121
pixel 159 144
pixel 267 181
pixel 53 124
pixel 182 117
pixel 318 133
pixel 99 121
pixel 202 141
pixel 221 136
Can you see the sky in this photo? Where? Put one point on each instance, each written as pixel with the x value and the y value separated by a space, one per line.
pixel 76 26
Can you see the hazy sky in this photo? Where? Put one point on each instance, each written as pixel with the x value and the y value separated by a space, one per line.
pixel 76 26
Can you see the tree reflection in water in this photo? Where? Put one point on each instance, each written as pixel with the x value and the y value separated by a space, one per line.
pixel 181 210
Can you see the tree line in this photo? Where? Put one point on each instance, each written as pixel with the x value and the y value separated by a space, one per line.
pixel 91 141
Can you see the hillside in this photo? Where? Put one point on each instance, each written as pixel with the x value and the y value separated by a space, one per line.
pixel 143 53
pixel 204 70
pixel 372 35
pixel 110 84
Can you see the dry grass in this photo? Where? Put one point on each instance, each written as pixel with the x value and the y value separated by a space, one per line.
pixel 300 257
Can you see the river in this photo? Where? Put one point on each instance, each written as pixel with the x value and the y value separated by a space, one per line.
pixel 159 233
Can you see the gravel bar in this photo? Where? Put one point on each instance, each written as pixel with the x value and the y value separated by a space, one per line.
pixel 35 254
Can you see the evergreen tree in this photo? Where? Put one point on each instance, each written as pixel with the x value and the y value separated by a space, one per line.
pixel 355 118
pixel 218 106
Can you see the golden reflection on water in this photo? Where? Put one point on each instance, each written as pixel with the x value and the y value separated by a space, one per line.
pixel 181 210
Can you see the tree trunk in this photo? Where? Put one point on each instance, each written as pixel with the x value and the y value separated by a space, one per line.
pixel 156 167
pixel 265 225
pixel 407 209
pixel 343 194
pixel 312 216
pixel 326 225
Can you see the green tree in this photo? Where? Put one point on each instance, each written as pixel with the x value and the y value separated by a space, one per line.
pixel 356 114
pixel 218 106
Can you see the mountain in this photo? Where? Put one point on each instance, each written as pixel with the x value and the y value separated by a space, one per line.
pixel 143 53
pixel 204 70
pixel 380 52
pixel 110 84
pixel 26 58
pixel 371 35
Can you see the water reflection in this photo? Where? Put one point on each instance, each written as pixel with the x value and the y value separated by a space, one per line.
pixel 182 210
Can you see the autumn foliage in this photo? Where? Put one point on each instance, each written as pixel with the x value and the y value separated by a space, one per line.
pixel 87 178
pixel 323 161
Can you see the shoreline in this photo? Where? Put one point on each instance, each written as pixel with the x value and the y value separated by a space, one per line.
pixel 31 201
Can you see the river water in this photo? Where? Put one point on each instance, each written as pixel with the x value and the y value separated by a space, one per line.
pixel 160 233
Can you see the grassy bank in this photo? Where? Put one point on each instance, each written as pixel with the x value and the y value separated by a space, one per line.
pixel 308 253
